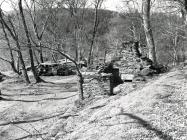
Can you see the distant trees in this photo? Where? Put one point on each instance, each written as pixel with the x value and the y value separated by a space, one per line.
pixel 160 19
pixel 77 13
pixel 176 29
pixel 97 6
pixel 39 28
pixel 141 17
pixel 181 6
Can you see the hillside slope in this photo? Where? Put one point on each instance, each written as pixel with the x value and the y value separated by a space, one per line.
pixel 46 111
pixel 157 111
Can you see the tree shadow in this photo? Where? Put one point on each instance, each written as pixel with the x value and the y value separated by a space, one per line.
pixel 14 100
pixel 58 85
pixel 33 120
pixel 60 98
pixel 39 94
pixel 97 107
pixel 18 95
pixel 31 136
pixel 162 97
pixel 109 125
pixel 30 101
pixel 148 126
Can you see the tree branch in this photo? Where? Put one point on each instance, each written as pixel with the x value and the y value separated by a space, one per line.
pixel 5 60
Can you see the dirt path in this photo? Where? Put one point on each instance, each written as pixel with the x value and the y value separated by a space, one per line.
pixel 29 111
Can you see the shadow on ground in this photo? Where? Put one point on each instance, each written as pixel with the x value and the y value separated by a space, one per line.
pixel 32 136
pixel 60 115
pixel 29 101
pixel 148 126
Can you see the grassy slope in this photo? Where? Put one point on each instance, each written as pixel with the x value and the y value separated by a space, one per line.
pixel 157 111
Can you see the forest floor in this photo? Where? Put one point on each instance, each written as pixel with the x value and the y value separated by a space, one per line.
pixel 46 111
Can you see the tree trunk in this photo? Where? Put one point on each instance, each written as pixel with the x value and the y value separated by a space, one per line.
pixel 183 54
pixel 184 17
pixel 12 62
pixel 41 52
pixel 15 38
pixel 105 53
pixel 29 45
pixel 184 12
pixel 148 31
pixel 175 51
pixel 23 68
pixel 75 46
pixel 80 82
pixel 18 63
pixel 36 58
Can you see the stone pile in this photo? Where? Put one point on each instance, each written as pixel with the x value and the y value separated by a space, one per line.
pixel 130 64
pixel 53 69
pixel 137 67
pixel 99 84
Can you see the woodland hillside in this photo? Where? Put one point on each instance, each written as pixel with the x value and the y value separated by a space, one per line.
pixel 114 28
pixel 73 70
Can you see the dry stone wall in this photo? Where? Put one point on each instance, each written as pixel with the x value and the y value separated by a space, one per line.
pixel 130 64
pixel 98 85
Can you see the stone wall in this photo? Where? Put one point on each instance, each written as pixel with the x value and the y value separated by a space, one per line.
pixel 98 85
pixel 130 64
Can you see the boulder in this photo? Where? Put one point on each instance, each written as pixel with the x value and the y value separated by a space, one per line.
pixel 160 69
pixel 139 78
pixel 127 77
pixel 147 71
pixel 53 69
pixel 116 90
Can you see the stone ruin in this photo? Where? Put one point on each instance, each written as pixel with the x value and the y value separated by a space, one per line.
pixel 132 65
pixel 131 58
pixel 135 64
pixel 98 84
pixel 102 82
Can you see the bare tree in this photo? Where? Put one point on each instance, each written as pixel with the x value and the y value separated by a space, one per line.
pixel 12 59
pixel 97 6
pixel 33 8
pixel 179 6
pixel 29 45
pixel 77 13
pixel 80 79
pixel 146 5
pixel 55 43
pixel 14 35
